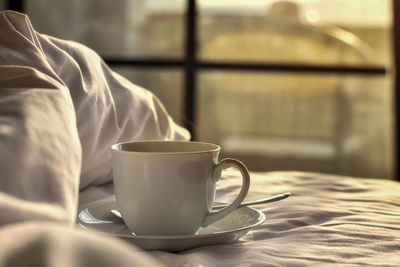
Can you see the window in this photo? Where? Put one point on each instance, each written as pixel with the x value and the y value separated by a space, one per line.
pixel 282 85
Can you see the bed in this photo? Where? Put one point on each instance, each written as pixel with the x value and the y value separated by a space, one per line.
pixel 61 108
pixel 327 220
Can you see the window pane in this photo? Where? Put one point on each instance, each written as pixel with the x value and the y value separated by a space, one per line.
pixel 165 84
pixel 114 28
pixel 319 32
pixel 327 123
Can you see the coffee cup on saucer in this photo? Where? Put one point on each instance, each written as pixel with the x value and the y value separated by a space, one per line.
pixel 168 187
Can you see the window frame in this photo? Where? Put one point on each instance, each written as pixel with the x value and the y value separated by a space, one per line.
pixel 191 65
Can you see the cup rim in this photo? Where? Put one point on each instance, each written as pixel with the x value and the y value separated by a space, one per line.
pixel 213 147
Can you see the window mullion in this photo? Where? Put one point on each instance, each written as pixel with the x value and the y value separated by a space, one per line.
pixel 190 67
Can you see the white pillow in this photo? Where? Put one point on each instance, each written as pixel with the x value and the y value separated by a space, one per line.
pixel 109 108
pixel 52 92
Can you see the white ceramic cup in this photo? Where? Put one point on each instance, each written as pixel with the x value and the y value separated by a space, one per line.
pixel 168 187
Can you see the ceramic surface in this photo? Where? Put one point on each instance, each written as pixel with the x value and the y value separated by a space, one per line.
pixel 227 230
pixel 168 187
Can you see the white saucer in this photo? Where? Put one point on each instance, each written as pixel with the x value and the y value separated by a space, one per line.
pixel 227 230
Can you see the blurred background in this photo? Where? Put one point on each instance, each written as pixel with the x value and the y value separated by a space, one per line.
pixel 281 85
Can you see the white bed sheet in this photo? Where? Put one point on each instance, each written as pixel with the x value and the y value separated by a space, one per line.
pixel 328 220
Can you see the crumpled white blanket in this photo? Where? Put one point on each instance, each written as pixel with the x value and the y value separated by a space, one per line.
pixel 61 108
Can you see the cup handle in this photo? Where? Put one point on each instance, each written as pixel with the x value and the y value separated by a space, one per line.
pixel 213 216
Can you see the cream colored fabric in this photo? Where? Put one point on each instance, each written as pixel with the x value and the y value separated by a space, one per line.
pixel 61 108
pixel 328 221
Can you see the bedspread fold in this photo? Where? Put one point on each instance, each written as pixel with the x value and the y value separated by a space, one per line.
pixel 61 108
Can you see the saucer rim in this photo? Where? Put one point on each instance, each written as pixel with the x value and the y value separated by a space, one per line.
pixel 260 220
